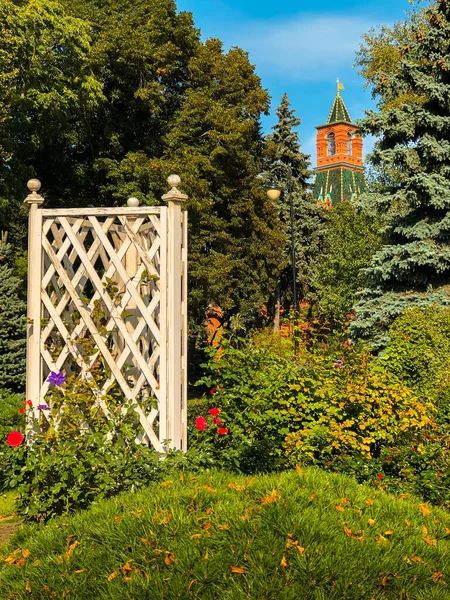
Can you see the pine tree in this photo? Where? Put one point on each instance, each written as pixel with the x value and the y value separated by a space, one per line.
pixel 12 325
pixel 413 266
pixel 288 163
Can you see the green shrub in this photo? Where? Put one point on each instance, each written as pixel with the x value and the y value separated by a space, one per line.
pixel 10 420
pixel 312 409
pixel 79 456
pixel 418 352
pixel 10 417
pixel 213 536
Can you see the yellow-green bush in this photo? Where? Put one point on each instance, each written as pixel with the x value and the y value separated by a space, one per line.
pixel 354 410
pixel 312 408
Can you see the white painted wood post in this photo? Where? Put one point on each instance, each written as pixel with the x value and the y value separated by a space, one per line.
pixel 176 408
pixel 33 370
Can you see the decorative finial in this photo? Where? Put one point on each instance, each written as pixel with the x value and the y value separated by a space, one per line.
pixel 133 202
pixel 174 194
pixel 339 87
pixel 34 185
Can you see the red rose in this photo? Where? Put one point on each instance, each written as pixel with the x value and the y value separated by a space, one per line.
pixel 380 476
pixel 15 438
pixel 214 412
pixel 222 431
pixel 29 403
pixel 212 391
pixel 412 448
pixel 200 423
pixel 217 421
pixel 21 410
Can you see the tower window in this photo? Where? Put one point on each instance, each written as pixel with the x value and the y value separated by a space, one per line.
pixel 349 144
pixel 331 144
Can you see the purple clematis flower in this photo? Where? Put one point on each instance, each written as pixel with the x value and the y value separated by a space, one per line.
pixel 56 378
pixel 43 407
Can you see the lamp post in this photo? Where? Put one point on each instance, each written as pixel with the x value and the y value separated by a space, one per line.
pixel 274 192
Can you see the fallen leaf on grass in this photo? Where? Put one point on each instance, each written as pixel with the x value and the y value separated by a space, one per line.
pixel 224 526
pixel 79 571
pixel 299 470
pixel 170 558
pixel 381 540
pixel 447 531
pixel 424 509
pixel 369 502
pixel 148 542
pixel 436 576
pixel 274 496
pixel 28 587
pixel 208 488
pixel 283 562
pixel 389 532
pixel 339 508
pixel 166 519
pixel 313 495
pixel 113 575
pixel 127 566
pixel 71 548
pixel 424 531
pixel 347 531
pixel 117 519
pixel 371 522
pixel 65 593
pixel 167 483
pixel 237 570
pixel 416 558
pixel 429 541
pixel 408 524
pixel 235 486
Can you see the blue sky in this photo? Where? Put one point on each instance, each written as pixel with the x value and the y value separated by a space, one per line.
pixel 300 48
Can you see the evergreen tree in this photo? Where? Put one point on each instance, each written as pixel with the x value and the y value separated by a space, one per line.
pixel 288 164
pixel 413 266
pixel 12 325
pixel 216 146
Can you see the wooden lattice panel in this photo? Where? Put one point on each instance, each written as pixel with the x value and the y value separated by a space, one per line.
pixel 104 301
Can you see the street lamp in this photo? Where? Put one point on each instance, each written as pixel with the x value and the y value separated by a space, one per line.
pixel 274 192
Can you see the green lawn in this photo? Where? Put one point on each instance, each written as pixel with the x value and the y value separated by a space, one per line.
pixel 216 536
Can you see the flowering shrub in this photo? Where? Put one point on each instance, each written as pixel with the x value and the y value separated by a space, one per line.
pixel 318 408
pixel 82 460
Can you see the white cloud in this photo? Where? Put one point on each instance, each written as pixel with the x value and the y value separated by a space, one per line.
pixel 305 47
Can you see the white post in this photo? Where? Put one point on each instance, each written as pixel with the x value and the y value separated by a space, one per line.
pixel 176 424
pixel 33 370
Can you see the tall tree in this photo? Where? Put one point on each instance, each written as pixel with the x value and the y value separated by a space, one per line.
pixel 413 267
pixel 216 145
pixel 288 164
pixel 107 97
pixel 12 325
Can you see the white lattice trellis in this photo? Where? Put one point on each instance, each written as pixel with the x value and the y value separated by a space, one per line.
pixel 107 286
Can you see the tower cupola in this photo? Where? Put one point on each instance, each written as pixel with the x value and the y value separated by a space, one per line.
pixel 339 170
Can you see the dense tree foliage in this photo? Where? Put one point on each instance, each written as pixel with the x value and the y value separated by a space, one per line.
pixel 413 267
pixel 102 100
pixel 350 240
pixel 12 325
pixel 289 166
